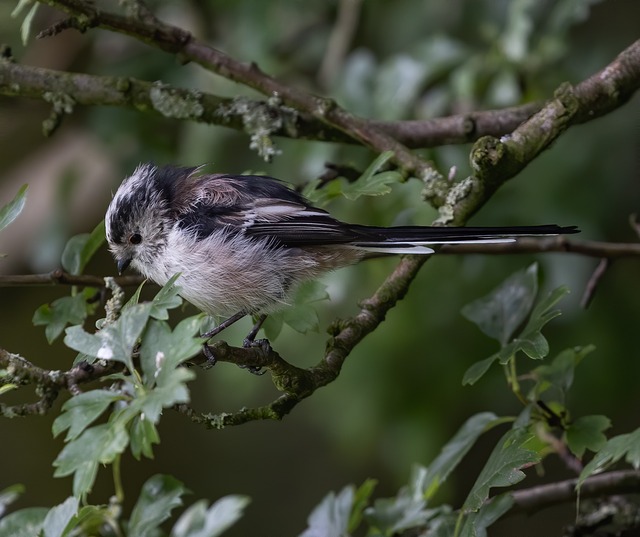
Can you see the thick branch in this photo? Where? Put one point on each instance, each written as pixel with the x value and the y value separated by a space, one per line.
pixel 18 80
pixel 494 161
pixel 180 42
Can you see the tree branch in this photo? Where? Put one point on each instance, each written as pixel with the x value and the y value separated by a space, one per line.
pixel 181 43
pixel 538 498
pixel 60 277
pixel 48 382
pixel 560 244
pixel 18 80
pixel 494 161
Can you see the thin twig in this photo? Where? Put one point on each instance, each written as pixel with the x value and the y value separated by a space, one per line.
pixel 594 281
pixel 61 277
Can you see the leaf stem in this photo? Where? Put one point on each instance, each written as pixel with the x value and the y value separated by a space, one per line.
pixel 117 480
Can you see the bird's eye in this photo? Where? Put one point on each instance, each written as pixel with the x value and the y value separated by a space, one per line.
pixel 136 238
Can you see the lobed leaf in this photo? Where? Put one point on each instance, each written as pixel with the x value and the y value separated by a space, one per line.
pixel 302 316
pixel 372 182
pixel 330 518
pixel 142 435
pixel 81 410
pixel 61 312
pixel 166 299
pixel 198 521
pixel 530 340
pixel 587 433
pixel 476 523
pixel 453 451
pixel 624 445
pixel 162 350
pixel 159 496
pixel 557 376
pixel 500 313
pixel 115 341
pixel 504 466
pixel 407 510
pixel 23 523
pixel 100 444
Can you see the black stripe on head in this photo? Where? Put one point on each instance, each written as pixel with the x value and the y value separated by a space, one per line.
pixel 149 188
pixel 168 178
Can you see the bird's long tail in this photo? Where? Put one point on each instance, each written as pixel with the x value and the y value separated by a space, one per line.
pixel 417 239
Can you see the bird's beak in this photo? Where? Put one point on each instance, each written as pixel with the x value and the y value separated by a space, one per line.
pixel 122 264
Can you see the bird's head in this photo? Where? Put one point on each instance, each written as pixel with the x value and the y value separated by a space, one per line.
pixel 138 218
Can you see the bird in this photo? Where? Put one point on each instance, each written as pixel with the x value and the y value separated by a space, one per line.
pixel 243 243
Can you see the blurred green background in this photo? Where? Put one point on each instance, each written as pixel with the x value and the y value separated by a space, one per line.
pixel 399 397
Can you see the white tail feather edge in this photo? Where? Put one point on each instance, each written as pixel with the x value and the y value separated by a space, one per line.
pixel 420 248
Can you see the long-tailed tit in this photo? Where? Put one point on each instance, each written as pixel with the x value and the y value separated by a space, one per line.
pixel 242 243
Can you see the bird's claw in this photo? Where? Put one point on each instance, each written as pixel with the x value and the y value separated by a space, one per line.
pixel 211 358
pixel 250 343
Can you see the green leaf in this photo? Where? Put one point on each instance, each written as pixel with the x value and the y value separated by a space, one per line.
pixel 454 450
pixel 624 445
pixel 81 410
pixel 143 435
pixel 23 523
pixel 477 370
pixel 330 518
pixel 59 517
pixel 407 510
pixel 476 523
pixel 372 182
pixel 500 313
pixel 530 340
pixel 114 342
pixel 93 519
pixel 376 185
pixel 10 211
pixel 81 456
pixel 80 249
pixel 558 375
pixel 172 391
pixel 162 350
pixel 159 496
pixel 360 502
pixel 166 299
pixel 503 468
pixel 61 312
pixel 587 433
pixel 8 496
pixel 302 315
pixel 198 521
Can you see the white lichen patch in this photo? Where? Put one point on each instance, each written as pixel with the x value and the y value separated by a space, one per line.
pixel 176 104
